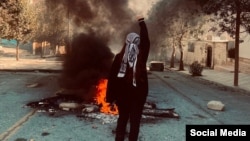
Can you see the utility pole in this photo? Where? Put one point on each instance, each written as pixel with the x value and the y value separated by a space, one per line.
pixel 237 36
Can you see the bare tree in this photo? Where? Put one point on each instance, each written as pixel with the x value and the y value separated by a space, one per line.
pixel 176 20
pixel 185 25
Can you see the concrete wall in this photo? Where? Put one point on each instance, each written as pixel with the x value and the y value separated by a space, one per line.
pixel 244 49
pixel 200 51
pixel 244 65
pixel 220 53
pixel 37 47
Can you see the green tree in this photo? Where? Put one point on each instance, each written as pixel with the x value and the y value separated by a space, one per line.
pixel 16 22
pixel 233 17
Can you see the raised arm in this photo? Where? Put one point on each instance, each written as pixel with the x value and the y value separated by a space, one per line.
pixel 145 42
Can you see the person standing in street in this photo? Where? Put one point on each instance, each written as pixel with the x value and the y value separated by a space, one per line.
pixel 128 82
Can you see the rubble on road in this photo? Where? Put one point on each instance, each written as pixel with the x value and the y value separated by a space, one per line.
pixel 215 105
pixel 68 103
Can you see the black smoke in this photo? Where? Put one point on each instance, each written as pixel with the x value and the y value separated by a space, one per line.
pixel 89 61
pixel 108 18
pixel 99 26
pixel 161 16
pixel 94 26
pixel 160 19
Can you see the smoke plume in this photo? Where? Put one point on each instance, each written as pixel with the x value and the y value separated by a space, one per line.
pixel 161 16
pixel 98 27
pixel 94 25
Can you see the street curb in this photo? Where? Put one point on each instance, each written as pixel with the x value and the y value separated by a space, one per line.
pixel 31 70
pixel 217 84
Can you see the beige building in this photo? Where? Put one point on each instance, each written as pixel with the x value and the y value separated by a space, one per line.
pixel 215 53
pixel 209 53
pixel 45 49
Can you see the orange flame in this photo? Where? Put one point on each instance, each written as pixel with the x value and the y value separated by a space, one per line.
pixel 101 96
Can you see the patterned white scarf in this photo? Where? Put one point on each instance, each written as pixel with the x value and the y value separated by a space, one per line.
pixel 130 55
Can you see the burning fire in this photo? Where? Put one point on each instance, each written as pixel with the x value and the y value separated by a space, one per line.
pixel 100 98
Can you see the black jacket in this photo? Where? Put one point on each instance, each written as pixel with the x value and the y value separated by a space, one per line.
pixel 119 88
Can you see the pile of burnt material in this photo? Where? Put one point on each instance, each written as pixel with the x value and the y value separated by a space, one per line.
pixel 151 109
pixel 73 104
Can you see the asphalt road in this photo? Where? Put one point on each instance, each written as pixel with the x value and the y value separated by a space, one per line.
pixel 188 95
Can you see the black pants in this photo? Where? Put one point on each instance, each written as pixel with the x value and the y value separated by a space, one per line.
pixel 129 110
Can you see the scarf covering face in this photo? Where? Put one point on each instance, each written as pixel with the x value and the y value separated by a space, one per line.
pixel 130 55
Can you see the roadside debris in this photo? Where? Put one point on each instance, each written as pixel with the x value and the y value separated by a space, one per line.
pixel 215 105
pixel 33 85
pixel 71 104
pixel 93 105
